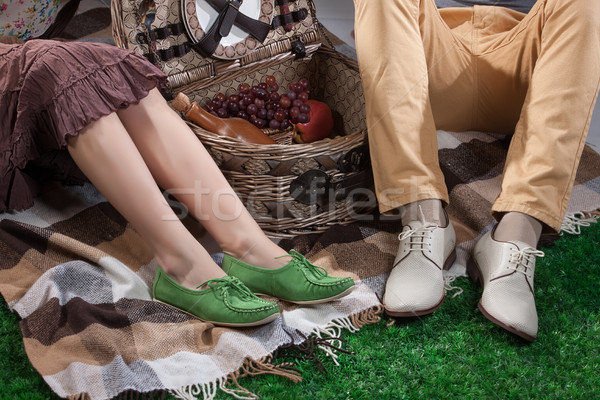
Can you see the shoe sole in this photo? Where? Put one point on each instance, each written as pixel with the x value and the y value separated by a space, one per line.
pixel 447 264
pixel 227 324
pixel 475 276
pixel 308 302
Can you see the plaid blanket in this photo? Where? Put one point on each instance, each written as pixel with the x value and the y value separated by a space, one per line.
pixel 79 276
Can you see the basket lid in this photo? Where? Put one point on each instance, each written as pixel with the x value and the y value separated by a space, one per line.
pixel 191 40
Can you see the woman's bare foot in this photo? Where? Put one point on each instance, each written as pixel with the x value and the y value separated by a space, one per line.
pixel 191 270
pixel 261 252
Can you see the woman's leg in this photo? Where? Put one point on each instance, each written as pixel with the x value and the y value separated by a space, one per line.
pixel 181 165
pixel 106 154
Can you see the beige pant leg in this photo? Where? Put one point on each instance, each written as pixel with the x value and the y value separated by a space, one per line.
pixel 485 68
pixel 555 55
pixel 396 40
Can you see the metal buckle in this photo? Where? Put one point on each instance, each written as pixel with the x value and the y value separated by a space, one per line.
pixel 235 4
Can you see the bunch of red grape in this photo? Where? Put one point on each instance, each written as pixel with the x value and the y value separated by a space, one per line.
pixel 263 105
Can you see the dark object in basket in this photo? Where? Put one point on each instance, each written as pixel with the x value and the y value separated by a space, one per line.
pixel 262 175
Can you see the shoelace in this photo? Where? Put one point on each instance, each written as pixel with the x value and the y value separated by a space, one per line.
pixel 230 283
pixel 523 260
pixel 418 237
pixel 304 263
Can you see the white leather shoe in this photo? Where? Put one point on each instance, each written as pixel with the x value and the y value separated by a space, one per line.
pixel 505 270
pixel 416 284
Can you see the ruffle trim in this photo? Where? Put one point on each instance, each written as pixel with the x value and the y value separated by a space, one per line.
pixel 101 92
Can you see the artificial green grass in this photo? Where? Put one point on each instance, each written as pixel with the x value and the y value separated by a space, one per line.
pixel 453 353
pixel 18 379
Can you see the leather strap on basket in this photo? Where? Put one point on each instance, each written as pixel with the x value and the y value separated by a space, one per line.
pixel 228 17
pixel 287 20
pixel 175 51
pixel 285 15
pixel 161 33
pixel 317 187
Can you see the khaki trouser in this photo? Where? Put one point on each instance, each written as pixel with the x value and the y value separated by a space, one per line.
pixel 535 77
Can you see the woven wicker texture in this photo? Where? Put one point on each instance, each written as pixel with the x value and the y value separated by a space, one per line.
pixel 261 174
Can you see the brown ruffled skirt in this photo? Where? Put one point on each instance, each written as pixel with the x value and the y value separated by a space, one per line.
pixel 50 90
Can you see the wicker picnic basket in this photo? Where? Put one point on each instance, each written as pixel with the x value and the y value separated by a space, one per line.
pixel 289 188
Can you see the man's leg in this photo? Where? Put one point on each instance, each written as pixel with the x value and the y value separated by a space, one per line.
pixel 550 135
pixel 396 42
pixel 553 59
pixel 394 72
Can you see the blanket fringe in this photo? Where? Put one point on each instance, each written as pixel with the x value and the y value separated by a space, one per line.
pixel 250 367
pixel 265 365
pixel 572 223
pixel 448 285
pixel 208 391
pixel 366 317
pixel 328 338
pixel 331 343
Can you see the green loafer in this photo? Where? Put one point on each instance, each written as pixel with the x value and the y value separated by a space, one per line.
pixel 299 281
pixel 225 301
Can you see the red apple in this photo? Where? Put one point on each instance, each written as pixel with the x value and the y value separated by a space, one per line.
pixel 318 127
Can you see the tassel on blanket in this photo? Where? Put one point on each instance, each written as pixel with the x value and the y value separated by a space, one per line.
pixel 250 367
pixel 208 391
pixel 253 368
pixel 366 317
pixel 306 349
pixel 572 223
pixel 448 285
pixel 265 366
pixel 328 338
